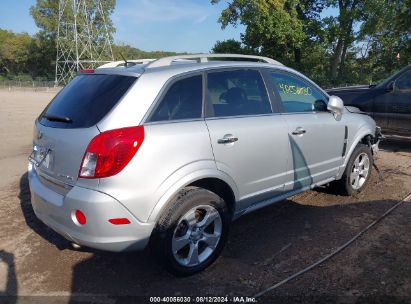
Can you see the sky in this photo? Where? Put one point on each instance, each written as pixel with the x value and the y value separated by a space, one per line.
pixel 167 25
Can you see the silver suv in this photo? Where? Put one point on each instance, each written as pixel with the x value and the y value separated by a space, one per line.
pixel 169 152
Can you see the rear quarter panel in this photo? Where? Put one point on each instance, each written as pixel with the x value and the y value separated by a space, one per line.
pixel 170 152
pixel 132 108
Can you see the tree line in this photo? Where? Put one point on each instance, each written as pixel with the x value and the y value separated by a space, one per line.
pixel 365 42
pixel 24 57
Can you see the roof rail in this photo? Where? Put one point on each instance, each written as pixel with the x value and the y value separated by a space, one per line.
pixel 166 61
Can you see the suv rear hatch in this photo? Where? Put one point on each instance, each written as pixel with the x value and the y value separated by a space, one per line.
pixel 68 124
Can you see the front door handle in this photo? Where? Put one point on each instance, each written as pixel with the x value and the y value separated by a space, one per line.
pixel 299 131
pixel 227 139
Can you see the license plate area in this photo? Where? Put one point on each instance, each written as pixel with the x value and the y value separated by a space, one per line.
pixel 41 156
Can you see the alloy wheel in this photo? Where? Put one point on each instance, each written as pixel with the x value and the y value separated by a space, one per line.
pixel 196 235
pixel 360 171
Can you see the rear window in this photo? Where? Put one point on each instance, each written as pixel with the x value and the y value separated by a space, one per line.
pixel 85 101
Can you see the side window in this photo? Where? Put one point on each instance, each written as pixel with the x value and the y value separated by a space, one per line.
pixel 404 82
pixel 183 100
pixel 297 95
pixel 239 92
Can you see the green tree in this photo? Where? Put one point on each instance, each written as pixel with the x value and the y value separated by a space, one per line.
pixel 42 56
pixel 289 31
pixel 273 27
pixel 350 11
pixel 386 32
pixel 229 46
pixel 14 52
pixel 45 15
pixel 330 50
pixel 130 52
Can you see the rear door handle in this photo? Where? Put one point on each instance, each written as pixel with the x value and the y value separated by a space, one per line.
pixel 299 131
pixel 227 139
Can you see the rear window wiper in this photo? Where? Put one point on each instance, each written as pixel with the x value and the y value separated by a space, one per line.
pixel 58 118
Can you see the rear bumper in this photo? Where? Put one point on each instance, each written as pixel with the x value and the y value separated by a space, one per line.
pixel 57 212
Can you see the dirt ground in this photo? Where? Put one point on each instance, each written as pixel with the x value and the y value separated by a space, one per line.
pixel 263 248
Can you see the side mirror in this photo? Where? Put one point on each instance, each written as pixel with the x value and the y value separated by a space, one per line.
pixel 336 106
pixel 389 87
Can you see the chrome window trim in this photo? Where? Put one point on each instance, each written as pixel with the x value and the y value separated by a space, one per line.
pixel 162 122
pixel 241 116
pixel 312 112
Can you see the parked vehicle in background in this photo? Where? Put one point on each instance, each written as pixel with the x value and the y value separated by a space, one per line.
pixel 170 152
pixel 388 102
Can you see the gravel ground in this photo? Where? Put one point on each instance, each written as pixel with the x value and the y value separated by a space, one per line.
pixel 264 247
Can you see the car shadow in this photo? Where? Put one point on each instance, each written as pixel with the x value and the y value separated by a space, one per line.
pixel 275 241
pixel 302 174
pixel 283 237
pixel 9 294
pixel 33 222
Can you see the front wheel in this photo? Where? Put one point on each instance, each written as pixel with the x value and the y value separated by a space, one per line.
pixel 191 233
pixel 358 171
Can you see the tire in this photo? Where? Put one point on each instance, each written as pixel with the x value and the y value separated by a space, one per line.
pixel 357 172
pixel 197 221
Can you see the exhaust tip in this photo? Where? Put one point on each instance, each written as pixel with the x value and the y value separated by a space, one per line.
pixel 75 246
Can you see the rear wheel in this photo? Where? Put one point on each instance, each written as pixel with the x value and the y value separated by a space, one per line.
pixel 192 232
pixel 358 171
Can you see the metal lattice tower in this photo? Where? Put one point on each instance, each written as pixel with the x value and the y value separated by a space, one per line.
pixel 83 39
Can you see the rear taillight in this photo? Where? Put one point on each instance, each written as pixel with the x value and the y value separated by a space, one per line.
pixel 109 152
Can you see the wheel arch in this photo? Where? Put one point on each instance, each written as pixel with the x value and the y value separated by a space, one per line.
pixel 212 180
pixel 219 187
pixel 361 137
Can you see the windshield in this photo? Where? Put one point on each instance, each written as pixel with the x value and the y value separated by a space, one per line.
pixel 391 78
